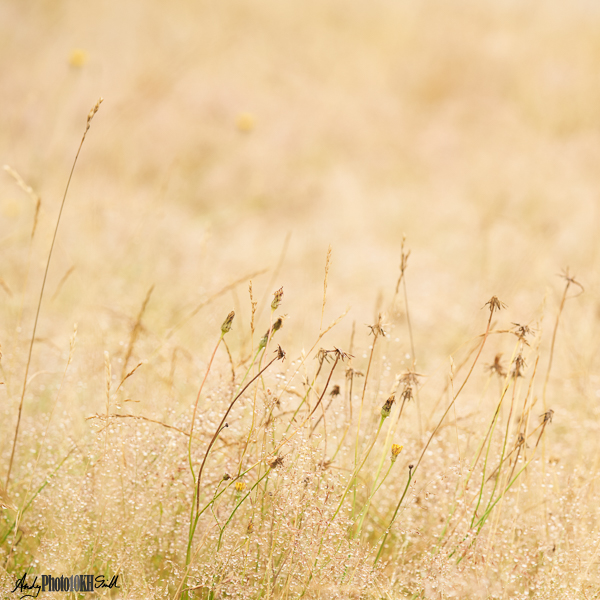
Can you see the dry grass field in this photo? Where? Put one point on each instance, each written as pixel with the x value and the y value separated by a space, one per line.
pixel 400 202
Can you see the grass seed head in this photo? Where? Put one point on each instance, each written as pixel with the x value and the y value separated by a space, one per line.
pixel 277 297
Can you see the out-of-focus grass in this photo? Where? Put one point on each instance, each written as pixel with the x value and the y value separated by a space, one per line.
pixel 473 127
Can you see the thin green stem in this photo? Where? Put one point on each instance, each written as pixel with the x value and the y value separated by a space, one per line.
pixel 387 531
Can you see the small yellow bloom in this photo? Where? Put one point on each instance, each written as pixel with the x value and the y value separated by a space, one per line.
pixel 396 449
pixel 245 122
pixel 78 57
pixel 240 486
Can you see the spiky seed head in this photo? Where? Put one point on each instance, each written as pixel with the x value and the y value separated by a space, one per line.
pixel 387 407
pixel 494 304
pixel 396 449
pixel 277 297
pixel 226 327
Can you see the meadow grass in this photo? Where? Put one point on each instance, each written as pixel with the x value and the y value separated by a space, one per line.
pixel 303 325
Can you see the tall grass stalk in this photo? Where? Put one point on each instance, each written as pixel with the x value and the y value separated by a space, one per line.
pixel 90 116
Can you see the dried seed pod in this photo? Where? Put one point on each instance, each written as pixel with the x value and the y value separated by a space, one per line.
pixel 226 327
pixel 387 407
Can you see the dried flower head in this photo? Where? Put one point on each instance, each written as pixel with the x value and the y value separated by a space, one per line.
pixel 275 461
pixel 570 279
pixel 335 391
pixel 523 330
pixel 277 296
pixel 547 416
pixel 407 394
pixel 494 304
pixel 351 373
pixel 410 378
pixel 280 353
pixel 409 381
pixel 387 407
pixel 497 366
pixel 377 329
pixel 518 366
pixel 322 356
pixel 226 327
pixel 339 354
pixel 396 449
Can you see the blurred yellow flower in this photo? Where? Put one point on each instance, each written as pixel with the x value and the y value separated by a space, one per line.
pixel 396 449
pixel 78 57
pixel 245 122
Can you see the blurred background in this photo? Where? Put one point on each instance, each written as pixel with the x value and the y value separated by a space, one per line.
pixel 241 136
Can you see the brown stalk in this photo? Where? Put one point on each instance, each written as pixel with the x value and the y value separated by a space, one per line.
pixel 570 280
pixel 135 331
pixel 141 418
pixel 62 282
pixel 376 330
pixel 494 305
pixel 327 267
pixel 280 355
